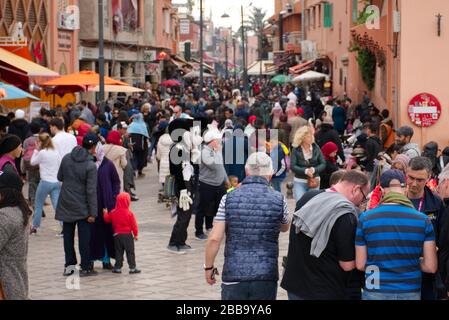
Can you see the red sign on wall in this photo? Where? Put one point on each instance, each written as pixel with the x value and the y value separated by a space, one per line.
pixel 424 110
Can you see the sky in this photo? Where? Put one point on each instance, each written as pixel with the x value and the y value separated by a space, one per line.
pixel 232 8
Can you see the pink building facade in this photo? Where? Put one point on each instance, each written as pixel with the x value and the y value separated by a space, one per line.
pixel 410 55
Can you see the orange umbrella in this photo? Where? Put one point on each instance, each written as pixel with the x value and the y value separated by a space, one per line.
pixel 80 81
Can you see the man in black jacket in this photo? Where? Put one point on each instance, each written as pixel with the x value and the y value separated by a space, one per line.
pixel 443 248
pixel 327 134
pixel 425 201
pixel 372 147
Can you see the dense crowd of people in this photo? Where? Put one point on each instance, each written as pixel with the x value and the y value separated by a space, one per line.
pixel 370 203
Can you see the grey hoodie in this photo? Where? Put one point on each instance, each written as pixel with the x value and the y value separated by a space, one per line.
pixel 78 197
pixel 411 150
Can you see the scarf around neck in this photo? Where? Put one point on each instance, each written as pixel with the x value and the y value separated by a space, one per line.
pixel 397 198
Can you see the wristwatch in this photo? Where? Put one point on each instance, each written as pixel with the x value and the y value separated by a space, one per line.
pixel 208 268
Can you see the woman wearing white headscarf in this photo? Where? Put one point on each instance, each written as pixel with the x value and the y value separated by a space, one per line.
pixel 276 114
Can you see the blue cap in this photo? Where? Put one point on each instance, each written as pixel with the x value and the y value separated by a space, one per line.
pixel 90 140
pixel 390 175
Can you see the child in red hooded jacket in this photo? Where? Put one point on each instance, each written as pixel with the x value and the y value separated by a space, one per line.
pixel 125 232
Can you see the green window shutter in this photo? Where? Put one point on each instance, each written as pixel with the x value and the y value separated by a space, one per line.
pixel 355 10
pixel 331 15
pixel 328 18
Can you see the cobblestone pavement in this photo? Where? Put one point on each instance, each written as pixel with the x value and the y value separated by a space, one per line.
pixel 164 275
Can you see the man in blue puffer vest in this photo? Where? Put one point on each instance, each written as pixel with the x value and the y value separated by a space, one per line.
pixel 252 218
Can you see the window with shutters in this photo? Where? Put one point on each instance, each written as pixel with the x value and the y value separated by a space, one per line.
pixel 355 10
pixel 328 15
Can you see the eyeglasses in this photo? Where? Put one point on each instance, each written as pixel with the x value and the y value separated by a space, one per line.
pixel 418 180
pixel 365 198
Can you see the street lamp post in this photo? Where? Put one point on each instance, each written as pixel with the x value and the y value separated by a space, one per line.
pixel 225 16
pixel 226 58
pixel 235 61
pixel 101 53
pixel 201 50
pixel 245 75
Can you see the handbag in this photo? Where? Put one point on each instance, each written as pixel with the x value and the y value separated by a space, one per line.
pixel 312 183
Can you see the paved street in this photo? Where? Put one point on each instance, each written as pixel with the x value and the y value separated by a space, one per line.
pixel 164 275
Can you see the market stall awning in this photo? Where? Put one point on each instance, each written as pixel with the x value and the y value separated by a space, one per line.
pixel 80 81
pixel 10 92
pixel 310 76
pixel 115 88
pixel 261 67
pixel 196 65
pixel 22 72
pixel 302 67
pixel 180 62
pixel 196 74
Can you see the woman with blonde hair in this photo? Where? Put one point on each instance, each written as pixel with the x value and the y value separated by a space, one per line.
pixel 307 162
pixel 48 159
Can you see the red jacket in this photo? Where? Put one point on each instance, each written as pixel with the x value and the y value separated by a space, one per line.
pixel 122 219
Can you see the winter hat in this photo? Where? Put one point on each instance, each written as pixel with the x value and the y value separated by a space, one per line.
pixel 9 143
pixel 211 135
pixel 390 175
pixel 402 159
pixel 90 140
pixel 10 180
pixel 20 114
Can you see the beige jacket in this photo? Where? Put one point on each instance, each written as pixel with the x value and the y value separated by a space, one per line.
pixel 117 155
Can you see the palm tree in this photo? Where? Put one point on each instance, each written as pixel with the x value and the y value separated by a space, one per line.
pixel 257 23
pixel 190 5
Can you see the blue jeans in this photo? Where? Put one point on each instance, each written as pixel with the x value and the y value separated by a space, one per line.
pixel 301 188
pixel 366 295
pixel 250 290
pixel 44 189
pixel 277 183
